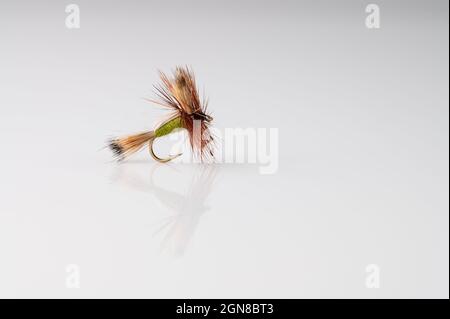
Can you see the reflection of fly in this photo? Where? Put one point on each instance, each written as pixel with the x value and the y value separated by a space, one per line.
pixel 188 208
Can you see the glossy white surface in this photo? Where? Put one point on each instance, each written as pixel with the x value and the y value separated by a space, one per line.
pixel 363 153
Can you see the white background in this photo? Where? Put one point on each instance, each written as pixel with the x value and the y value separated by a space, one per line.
pixel 363 150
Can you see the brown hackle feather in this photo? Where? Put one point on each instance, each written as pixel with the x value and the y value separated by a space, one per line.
pixel 179 93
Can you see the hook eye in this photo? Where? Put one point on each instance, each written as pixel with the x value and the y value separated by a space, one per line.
pixel 202 116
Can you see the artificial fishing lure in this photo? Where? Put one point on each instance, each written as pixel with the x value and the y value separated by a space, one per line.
pixel 180 95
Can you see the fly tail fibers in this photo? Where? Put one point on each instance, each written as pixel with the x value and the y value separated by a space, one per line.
pixel 127 145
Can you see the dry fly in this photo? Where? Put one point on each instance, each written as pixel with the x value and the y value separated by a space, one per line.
pixel 180 95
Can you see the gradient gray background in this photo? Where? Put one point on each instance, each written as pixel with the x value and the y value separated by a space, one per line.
pixel 363 168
